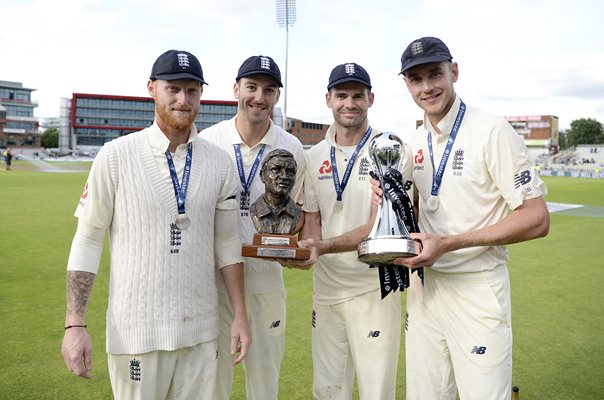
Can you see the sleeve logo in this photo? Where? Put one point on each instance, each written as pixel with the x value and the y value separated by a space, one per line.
pixel 522 178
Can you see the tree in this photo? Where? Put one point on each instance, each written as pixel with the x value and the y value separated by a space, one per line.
pixel 50 138
pixel 585 131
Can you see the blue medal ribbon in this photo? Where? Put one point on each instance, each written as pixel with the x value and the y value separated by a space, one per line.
pixel 334 165
pixel 437 176
pixel 239 159
pixel 180 190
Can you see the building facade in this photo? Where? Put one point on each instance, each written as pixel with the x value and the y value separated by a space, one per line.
pixel 21 129
pixel 309 133
pixel 2 125
pixel 96 118
pixel 538 131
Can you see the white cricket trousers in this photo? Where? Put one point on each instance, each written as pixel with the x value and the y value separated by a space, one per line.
pixel 360 336
pixel 266 316
pixel 459 336
pixel 184 374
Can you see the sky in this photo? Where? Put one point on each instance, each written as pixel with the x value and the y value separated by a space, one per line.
pixel 515 57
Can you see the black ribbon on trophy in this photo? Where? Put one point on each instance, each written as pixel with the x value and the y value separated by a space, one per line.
pixel 389 239
pixel 403 208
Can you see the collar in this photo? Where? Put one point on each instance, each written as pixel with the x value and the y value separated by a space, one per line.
pixel 330 135
pixel 270 137
pixel 446 124
pixel 263 209
pixel 159 141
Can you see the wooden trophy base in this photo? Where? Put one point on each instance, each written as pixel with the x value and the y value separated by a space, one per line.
pixel 275 246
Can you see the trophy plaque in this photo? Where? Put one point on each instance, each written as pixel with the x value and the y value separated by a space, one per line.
pixel 276 217
pixel 282 246
pixel 389 238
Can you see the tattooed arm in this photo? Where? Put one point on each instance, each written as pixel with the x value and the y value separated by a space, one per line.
pixel 77 346
pixel 82 266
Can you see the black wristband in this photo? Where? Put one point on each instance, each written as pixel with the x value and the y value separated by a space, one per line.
pixel 75 326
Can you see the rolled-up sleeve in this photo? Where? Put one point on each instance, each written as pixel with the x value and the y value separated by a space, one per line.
pixel 227 243
pixel 86 248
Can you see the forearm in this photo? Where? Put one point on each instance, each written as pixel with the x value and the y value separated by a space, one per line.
pixel 312 226
pixel 79 287
pixel 528 221
pixel 350 240
pixel 233 276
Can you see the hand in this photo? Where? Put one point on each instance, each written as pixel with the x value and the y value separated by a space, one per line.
pixel 77 351
pixel 303 264
pixel 378 193
pixel 432 249
pixel 240 339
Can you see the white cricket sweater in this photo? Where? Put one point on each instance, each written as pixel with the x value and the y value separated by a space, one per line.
pixel 162 284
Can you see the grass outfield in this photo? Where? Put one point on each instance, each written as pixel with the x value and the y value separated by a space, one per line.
pixel 558 301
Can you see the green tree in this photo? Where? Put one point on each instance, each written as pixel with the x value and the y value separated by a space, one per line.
pixel 585 131
pixel 50 138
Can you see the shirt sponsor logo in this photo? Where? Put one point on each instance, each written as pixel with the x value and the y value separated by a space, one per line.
pixel 419 157
pixel 85 192
pixel 82 202
pixel 325 171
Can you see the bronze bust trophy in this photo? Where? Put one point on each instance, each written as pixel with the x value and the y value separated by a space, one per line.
pixel 276 217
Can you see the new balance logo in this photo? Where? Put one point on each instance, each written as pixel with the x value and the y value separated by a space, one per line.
pixel 522 179
pixel 374 334
pixel 479 350
pixel 275 324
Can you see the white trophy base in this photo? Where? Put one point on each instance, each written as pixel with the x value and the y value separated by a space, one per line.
pixel 383 250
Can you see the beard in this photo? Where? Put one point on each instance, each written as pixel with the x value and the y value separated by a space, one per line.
pixel 180 123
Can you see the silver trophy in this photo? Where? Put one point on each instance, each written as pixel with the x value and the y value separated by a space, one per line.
pixel 389 238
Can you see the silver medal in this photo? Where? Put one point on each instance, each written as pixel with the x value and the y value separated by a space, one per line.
pixel 432 203
pixel 337 208
pixel 182 222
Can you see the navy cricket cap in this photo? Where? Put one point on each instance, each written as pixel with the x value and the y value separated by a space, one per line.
pixel 349 72
pixel 260 65
pixel 423 51
pixel 177 64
